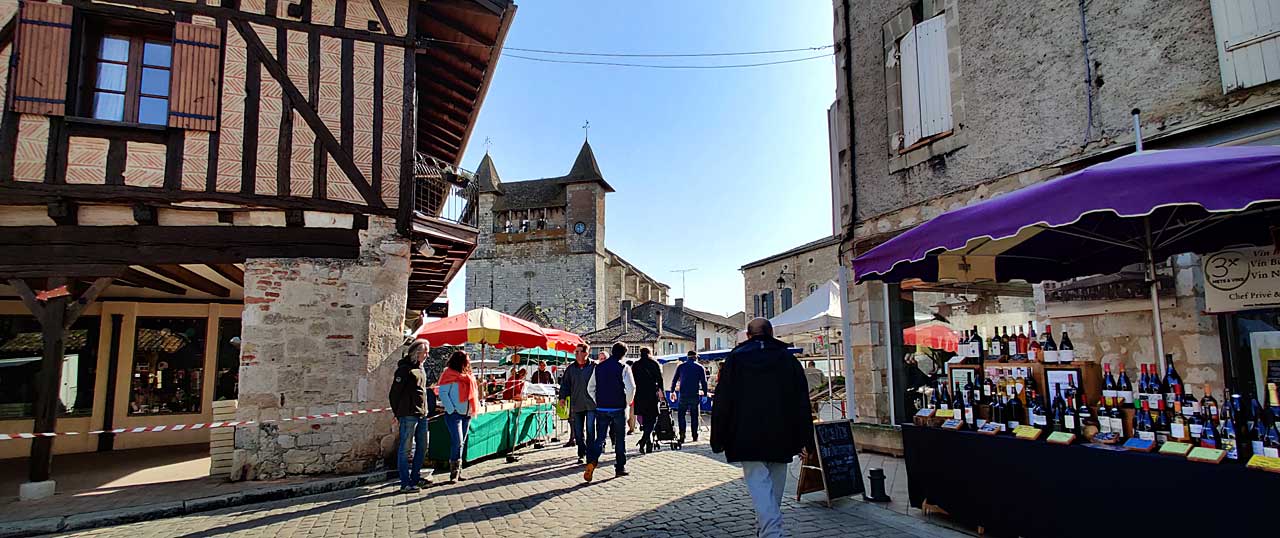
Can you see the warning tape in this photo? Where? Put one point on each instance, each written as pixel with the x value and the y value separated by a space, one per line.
pixel 199 426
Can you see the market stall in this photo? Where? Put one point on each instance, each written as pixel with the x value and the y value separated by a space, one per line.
pixel 1082 431
pixel 522 414
pixel 816 321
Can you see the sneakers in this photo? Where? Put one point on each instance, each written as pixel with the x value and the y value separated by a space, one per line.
pixel 621 472
pixel 409 489
pixel 591 470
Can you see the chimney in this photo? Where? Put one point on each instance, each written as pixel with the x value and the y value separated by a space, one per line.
pixel 658 323
pixel 680 303
pixel 625 314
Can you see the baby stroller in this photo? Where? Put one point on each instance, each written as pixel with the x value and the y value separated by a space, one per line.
pixel 664 429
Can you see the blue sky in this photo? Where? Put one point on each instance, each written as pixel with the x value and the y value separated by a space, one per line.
pixel 713 168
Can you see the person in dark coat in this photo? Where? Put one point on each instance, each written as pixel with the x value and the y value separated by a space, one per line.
pixel 648 376
pixel 408 396
pixel 761 418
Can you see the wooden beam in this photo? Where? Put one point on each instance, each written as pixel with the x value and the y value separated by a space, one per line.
pixel 340 157
pixel 454 24
pixel 451 52
pixel 444 92
pixel 190 279
pixel 84 300
pixel 449 136
pixel 230 272
pixel 28 297
pixel 382 18
pixel 149 245
pixel 147 281
pixel 460 80
pixel 443 143
pixel 50 270
pixel 48 382
pixel 29 193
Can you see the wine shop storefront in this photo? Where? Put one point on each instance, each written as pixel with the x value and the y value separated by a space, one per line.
pixel 1130 335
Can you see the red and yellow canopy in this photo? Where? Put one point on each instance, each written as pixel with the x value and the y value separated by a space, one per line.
pixel 486 326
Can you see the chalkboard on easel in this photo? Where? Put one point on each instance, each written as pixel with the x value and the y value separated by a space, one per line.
pixel 837 460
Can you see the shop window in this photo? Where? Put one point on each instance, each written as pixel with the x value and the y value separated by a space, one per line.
pixel 921 317
pixel 22 349
pixel 1255 341
pixel 168 366
pixel 227 385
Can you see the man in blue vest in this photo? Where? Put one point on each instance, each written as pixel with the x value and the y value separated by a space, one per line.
pixel 612 389
pixel 691 377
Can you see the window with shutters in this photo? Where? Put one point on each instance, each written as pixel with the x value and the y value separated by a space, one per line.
pixel 126 73
pixel 786 299
pixel 926 82
pixel 1248 40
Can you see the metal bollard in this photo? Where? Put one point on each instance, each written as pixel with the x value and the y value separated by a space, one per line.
pixel 876 476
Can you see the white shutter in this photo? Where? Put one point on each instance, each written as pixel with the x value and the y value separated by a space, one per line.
pixel 910 89
pixel 934 75
pixel 1248 36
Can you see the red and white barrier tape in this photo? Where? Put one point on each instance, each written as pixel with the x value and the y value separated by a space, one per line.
pixel 200 426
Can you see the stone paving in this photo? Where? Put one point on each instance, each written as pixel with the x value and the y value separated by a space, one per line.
pixel 669 493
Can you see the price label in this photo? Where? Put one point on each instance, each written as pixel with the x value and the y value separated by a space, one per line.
pixel 945 413
pixel 1139 445
pixel 1207 455
pixel 990 428
pixel 1061 438
pixel 952 424
pixel 924 413
pixel 1029 433
pixel 1264 463
pixel 1175 449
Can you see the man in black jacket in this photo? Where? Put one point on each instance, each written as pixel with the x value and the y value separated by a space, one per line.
pixel 409 404
pixel 760 417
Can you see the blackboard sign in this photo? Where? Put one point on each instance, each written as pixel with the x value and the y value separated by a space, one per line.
pixel 841 472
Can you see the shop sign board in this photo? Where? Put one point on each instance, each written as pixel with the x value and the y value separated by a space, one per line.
pixel 1242 279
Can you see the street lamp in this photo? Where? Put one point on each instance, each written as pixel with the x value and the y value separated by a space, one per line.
pixel 782 279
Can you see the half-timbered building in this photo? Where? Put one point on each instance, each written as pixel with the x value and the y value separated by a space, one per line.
pixel 228 200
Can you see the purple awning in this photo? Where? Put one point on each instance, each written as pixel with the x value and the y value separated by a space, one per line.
pixel 1092 221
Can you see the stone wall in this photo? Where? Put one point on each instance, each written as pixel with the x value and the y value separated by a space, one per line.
pixel 563 285
pixel 812 268
pixel 318 336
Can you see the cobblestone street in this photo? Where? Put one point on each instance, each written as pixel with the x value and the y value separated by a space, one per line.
pixel 670 493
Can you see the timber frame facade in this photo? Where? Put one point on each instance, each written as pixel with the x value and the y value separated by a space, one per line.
pixel 153 146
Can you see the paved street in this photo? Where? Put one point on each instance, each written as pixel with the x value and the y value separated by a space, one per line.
pixel 686 493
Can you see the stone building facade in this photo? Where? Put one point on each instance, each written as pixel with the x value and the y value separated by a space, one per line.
pixel 1011 94
pixel 541 250
pixel 803 269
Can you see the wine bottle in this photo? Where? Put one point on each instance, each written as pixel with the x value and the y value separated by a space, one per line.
pixel 1033 345
pixel 1071 386
pixel 975 344
pixel 933 399
pixel 993 345
pixel 1142 425
pixel 1004 345
pixel 1209 406
pixel 1020 386
pixel 1178 425
pixel 1066 351
pixel 1048 347
pixel 1022 344
pixel 943 402
pixel 1108 385
pixel 1012 413
pixel 1037 411
pixel 1084 415
pixel 1196 426
pixel 1059 407
pixel 1069 418
pixel 1227 438
pixel 1116 418
pixel 1172 381
pixel 1104 418
pixel 1209 437
pixel 1143 383
pixel 1124 388
pixel 1163 426
pixel 997 413
pixel 970 407
pixel 989 389
pixel 957 399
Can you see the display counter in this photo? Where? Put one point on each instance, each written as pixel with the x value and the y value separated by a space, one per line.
pixel 1013 487
pixel 496 429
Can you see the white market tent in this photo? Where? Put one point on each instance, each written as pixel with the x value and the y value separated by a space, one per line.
pixel 818 312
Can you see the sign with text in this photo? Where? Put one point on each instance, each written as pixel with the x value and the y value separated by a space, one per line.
pixel 841 472
pixel 1241 279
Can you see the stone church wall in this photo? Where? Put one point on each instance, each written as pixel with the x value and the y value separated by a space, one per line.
pixel 563 285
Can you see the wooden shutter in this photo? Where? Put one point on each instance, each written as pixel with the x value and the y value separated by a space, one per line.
pixel 935 76
pixel 910 89
pixel 1248 39
pixel 193 89
pixel 43 50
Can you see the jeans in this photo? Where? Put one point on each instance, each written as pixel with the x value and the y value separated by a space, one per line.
pixel 583 424
pixel 415 429
pixel 458 425
pixel 765 480
pixel 610 423
pixel 690 405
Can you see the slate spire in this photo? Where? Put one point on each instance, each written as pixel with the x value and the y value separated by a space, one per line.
pixel 487 175
pixel 585 166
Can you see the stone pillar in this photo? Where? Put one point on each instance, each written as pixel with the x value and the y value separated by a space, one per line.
pixel 318 336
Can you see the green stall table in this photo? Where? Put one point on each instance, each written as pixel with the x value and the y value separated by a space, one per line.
pixel 494 431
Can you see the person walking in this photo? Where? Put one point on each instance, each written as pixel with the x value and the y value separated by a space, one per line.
pixel 542 376
pixel 648 377
pixel 761 418
pixel 408 397
pixel 582 407
pixel 612 388
pixel 460 396
pixel 691 377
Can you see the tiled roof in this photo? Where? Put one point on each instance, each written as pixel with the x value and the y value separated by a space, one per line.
pixel 634 332
pixel 812 245
pixel 530 194
pixel 707 316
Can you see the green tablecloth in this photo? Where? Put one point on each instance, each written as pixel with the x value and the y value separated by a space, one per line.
pixel 491 433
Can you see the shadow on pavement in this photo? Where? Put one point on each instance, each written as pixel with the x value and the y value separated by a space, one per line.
pixel 485 511
pixel 268 520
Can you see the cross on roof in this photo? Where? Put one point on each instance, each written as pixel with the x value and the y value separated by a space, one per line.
pixel 586 128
